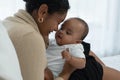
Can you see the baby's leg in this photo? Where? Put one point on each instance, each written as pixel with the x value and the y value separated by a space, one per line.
pixel 48 74
pixel 110 74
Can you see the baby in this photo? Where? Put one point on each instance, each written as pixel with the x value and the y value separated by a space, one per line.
pixel 68 47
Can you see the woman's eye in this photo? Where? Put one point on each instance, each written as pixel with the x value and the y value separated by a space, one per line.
pixel 61 28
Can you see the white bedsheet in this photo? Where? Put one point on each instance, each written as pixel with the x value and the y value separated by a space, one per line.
pixel 9 65
pixel 112 61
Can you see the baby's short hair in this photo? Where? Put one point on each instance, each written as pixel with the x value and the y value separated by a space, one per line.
pixel 85 25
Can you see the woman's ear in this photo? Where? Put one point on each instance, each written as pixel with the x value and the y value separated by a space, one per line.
pixel 42 11
pixel 78 41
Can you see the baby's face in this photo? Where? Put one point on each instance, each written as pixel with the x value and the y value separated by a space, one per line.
pixel 69 33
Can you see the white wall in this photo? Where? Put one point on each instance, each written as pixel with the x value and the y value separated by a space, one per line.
pixel 9 7
pixel 102 17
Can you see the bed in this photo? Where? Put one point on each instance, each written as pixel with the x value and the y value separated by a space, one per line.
pixel 112 61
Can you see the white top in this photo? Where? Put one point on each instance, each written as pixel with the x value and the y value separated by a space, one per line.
pixel 9 65
pixel 54 57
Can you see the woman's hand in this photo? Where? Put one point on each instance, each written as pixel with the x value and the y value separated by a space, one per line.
pixel 67 70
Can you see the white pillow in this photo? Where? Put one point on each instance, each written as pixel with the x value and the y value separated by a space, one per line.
pixel 9 65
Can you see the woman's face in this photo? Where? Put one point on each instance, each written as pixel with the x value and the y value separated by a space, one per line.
pixel 51 22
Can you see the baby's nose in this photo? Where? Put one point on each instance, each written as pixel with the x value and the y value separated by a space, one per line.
pixel 60 32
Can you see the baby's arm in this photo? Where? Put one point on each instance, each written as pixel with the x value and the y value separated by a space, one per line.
pixel 76 62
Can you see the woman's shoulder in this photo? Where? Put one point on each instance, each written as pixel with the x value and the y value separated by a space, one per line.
pixel 15 27
pixel 19 31
pixel 21 22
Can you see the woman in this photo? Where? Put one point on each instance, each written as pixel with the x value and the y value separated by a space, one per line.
pixel 29 30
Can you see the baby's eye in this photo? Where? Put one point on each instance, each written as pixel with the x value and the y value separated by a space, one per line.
pixel 68 32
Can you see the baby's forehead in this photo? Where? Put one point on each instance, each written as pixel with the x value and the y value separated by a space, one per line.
pixel 73 22
pixel 70 19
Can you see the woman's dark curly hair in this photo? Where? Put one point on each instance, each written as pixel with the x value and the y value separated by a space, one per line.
pixel 53 5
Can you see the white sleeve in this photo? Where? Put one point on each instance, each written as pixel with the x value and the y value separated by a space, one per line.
pixel 9 65
pixel 77 50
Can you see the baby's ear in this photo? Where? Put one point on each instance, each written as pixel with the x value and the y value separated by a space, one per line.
pixel 79 41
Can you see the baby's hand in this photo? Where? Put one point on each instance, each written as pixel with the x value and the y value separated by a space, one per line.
pixel 66 55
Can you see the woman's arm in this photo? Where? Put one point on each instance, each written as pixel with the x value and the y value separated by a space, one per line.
pixel 97 59
pixel 66 72
pixel 31 54
pixel 78 63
